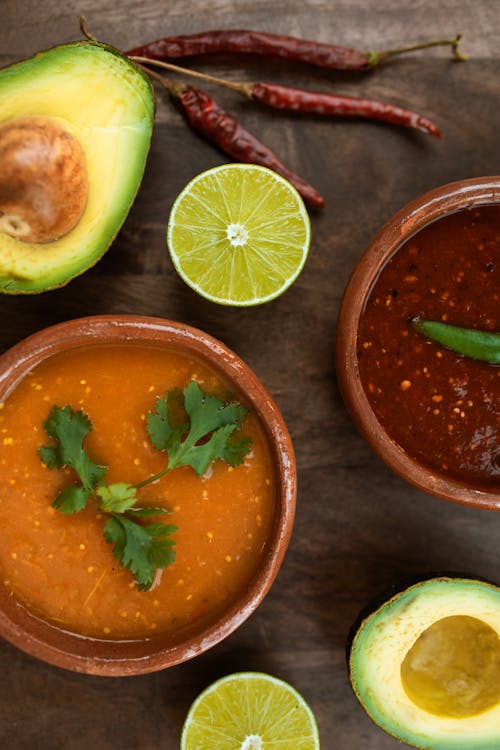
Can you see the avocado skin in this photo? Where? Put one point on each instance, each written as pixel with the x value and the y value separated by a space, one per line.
pixel 14 284
pixel 403 587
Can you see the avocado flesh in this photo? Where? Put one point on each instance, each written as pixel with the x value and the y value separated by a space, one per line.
pixel 107 104
pixel 421 708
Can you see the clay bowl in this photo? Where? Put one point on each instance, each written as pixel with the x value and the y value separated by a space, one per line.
pixel 407 222
pixel 120 658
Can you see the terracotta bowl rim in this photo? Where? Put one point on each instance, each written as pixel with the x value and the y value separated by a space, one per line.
pixel 139 656
pixel 421 211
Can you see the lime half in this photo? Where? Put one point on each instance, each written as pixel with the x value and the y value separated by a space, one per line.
pixel 239 234
pixel 250 711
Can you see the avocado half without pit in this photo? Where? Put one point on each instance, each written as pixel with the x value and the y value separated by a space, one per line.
pixel 426 665
pixel 75 130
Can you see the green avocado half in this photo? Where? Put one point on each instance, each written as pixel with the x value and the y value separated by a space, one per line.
pixel 106 103
pixel 426 665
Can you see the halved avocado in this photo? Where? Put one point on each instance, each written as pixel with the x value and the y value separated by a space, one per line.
pixel 100 99
pixel 425 666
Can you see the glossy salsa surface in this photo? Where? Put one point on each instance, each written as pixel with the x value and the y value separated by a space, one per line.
pixel 60 566
pixel 441 408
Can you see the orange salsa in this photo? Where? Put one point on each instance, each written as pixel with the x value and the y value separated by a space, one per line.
pixel 60 566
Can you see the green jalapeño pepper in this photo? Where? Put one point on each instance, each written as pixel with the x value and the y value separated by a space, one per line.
pixel 469 342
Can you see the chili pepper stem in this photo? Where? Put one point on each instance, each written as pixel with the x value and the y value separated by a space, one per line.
pixel 375 57
pixel 174 88
pixel 241 88
pixel 85 31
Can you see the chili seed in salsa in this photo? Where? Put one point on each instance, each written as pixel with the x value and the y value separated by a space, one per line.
pixel 441 408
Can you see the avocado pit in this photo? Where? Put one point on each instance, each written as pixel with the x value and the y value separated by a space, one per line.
pixel 453 668
pixel 43 180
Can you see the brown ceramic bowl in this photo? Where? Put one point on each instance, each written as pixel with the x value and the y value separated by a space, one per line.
pixel 120 658
pixel 407 222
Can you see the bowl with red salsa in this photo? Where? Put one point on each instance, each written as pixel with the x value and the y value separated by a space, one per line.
pixel 431 413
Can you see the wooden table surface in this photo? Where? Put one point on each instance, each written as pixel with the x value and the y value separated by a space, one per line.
pixel 358 529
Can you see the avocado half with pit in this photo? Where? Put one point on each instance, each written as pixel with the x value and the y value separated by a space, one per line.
pixel 426 665
pixel 75 130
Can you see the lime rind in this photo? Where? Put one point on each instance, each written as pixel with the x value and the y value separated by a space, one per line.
pixel 231 711
pixel 274 218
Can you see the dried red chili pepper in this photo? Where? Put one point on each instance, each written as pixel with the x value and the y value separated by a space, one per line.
pixel 299 100
pixel 209 119
pixel 239 41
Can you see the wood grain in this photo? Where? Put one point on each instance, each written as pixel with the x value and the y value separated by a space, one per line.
pixel 359 529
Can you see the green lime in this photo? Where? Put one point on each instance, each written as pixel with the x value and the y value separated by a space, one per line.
pixel 239 234
pixel 250 711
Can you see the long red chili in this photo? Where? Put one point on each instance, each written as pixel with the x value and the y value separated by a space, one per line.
pixel 218 126
pixel 255 43
pixel 239 41
pixel 300 100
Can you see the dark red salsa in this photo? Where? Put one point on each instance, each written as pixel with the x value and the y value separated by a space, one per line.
pixel 441 408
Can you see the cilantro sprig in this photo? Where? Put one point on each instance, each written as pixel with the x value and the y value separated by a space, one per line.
pixel 69 428
pixel 204 437
pixel 193 428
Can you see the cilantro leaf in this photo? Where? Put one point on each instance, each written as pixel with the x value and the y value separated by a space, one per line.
pixel 72 500
pixel 120 497
pixel 141 549
pixel 211 425
pixel 50 456
pixel 207 413
pixel 159 424
pixel 69 428
pixel 201 456
pixel 116 498
pixel 235 451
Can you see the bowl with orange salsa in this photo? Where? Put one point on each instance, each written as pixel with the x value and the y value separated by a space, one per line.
pixel 432 414
pixel 147 493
